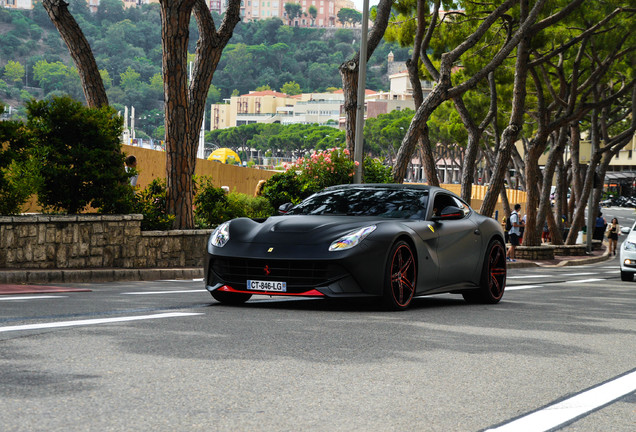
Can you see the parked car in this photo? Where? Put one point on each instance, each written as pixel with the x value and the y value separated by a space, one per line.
pixel 392 242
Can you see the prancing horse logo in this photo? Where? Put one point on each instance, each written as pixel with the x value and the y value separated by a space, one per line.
pixel 267 270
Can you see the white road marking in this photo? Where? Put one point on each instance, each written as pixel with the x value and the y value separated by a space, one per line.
pixel 576 274
pixel 77 323
pixel 585 280
pixel 569 409
pixel 522 287
pixel 181 280
pixel 164 292
pixel 33 297
pixel 528 276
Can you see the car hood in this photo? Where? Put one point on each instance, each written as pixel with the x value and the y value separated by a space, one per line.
pixel 297 229
pixel 631 237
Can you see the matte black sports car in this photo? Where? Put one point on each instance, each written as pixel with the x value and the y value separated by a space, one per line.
pixel 393 242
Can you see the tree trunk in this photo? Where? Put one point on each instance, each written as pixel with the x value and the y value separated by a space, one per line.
pixel 80 51
pixel 175 19
pixel 511 132
pixel 185 105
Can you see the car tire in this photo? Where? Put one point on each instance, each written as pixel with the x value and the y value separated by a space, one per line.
pixel 493 276
pixel 400 277
pixel 230 298
pixel 627 276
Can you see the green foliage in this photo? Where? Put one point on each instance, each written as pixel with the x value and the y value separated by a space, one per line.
pixel 18 169
pixel 384 133
pixel 213 206
pixel 349 16
pixel 14 72
pixel 291 88
pixel 81 163
pixel 151 203
pixel 283 188
pixel 376 172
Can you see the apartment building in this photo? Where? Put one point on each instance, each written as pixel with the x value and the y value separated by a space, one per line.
pixel 254 107
pixel 251 10
pixel 17 4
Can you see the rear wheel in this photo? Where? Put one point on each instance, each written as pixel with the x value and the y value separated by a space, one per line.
pixel 627 276
pixel 230 298
pixel 493 276
pixel 400 278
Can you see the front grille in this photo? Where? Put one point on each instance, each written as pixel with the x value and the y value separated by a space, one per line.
pixel 297 274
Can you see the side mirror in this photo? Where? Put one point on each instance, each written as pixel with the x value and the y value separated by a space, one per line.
pixel 626 230
pixel 450 213
pixel 284 208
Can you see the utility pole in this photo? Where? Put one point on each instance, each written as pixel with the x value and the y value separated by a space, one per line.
pixel 362 78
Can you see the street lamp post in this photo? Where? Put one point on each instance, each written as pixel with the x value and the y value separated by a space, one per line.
pixel 362 77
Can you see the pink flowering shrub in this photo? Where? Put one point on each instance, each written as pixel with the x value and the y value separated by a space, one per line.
pixel 325 168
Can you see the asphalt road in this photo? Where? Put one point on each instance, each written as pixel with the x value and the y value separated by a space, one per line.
pixel 556 354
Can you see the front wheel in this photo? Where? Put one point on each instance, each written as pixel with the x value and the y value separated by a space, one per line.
pixel 400 277
pixel 230 298
pixel 627 276
pixel 493 276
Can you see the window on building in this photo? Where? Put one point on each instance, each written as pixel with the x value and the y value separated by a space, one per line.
pixel 629 154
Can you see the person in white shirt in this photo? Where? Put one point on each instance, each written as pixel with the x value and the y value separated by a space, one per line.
pixel 515 232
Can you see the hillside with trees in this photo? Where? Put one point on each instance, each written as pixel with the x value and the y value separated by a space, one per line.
pixel 34 62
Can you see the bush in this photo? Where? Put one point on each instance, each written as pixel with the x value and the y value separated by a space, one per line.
pixel 376 172
pixel 213 206
pixel 283 188
pixel 208 203
pixel 326 168
pixel 82 163
pixel 18 170
pixel 151 203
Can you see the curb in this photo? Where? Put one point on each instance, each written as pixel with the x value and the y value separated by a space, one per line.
pixel 564 263
pixel 96 275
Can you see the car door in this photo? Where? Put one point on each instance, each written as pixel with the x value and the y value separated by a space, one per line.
pixel 459 244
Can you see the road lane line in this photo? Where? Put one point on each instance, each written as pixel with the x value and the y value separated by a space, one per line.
pixel 521 287
pixel 572 408
pixel 576 274
pixel 87 322
pixel 528 276
pixel 33 297
pixel 163 292
pixel 585 280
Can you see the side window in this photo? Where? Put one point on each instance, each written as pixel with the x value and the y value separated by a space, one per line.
pixel 462 205
pixel 443 200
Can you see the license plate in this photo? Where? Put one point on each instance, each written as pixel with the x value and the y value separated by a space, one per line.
pixel 256 285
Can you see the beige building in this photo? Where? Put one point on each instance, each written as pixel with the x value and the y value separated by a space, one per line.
pixel 255 107
pixel 17 4
pixel 316 108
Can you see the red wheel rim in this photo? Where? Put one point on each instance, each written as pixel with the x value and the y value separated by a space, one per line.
pixel 403 274
pixel 497 271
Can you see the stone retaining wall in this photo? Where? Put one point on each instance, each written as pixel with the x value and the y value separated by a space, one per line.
pixel 549 251
pixel 95 241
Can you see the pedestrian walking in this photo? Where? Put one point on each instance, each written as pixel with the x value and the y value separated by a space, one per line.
pixel 514 233
pixel 613 231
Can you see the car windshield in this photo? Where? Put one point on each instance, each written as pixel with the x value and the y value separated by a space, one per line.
pixel 380 202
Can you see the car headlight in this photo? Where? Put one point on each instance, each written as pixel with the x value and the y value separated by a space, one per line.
pixel 221 235
pixel 350 240
pixel 629 246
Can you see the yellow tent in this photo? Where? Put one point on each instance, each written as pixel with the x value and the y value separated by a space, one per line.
pixel 222 154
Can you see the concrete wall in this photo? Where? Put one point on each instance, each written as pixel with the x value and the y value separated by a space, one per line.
pixel 152 164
